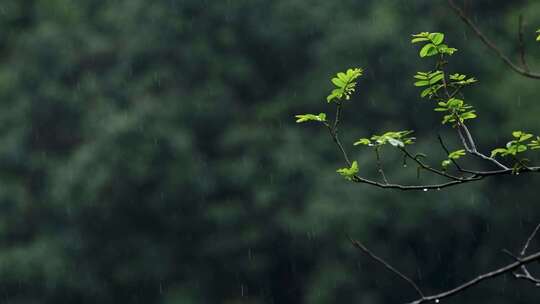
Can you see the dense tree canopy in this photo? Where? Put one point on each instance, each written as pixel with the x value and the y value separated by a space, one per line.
pixel 149 155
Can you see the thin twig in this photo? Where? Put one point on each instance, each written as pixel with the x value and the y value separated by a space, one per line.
pixel 490 44
pixel 526 275
pixel 386 265
pixel 522 44
pixel 379 164
pixel 334 133
pixel 531 237
pixel 440 186
pixel 471 146
pixel 489 275
pixel 448 153
pixel 520 261
pixel 428 168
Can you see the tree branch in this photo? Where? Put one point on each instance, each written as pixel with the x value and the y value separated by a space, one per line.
pixel 522 71
pixel 526 275
pixel 478 279
pixel 520 262
pixel 521 44
pixel 386 265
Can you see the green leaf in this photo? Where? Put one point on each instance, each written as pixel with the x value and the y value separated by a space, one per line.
pixel 457 77
pixel 455 103
pixel 460 79
pixel 428 50
pixel 362 141
pixel 395 142
pixel 342 76
pixel 535 144
pixel 349 173
pixel 468 115
pixel 338 82
pixel 538 38
pixel 395 138
pixel 456 154
pixel 444 49
pixel 310 117
pixel 525 137
pixel 448 118
pixel 426 92
pixel 501 151
pixel 518 145
pixel 521 136
pixel 436 79
pixel 517 134
pixel 436 38
pixel 419 39
pixel 421 83
pixel 445 163
pixel 345 85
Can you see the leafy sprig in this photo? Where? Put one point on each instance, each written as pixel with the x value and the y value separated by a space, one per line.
pixel 310 117
pixel 535 143
pixel 434 45
pixel 394 138
pixel 431 79
pixel 446 91
pixel 345 85
pixel 461 80
pixel 453 156
pixel 456 109
pixel 518 145
pixel 349 173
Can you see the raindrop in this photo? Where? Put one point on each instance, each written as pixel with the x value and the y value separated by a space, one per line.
pixel 438 189
pixel 437 301
pixel 425 189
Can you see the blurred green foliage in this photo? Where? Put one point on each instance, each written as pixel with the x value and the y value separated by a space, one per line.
pixel 148 154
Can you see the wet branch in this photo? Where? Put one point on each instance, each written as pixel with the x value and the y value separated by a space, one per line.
pixel 379 165
pixel 522 70
pixel 470 146
pixel 474 175
pixel 521 44
pixel 520 263
pixel 386 265
pixel 525 274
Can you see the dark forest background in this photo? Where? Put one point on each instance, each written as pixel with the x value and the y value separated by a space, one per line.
pixel 149 154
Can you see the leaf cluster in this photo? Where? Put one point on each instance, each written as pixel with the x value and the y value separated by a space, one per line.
pixel 349 173
pixel 430 79
pixel 522 142
pixel 456 109
pixel 453 156
pixel 310 117
pixel 345 85
pixel 461 80
pixel 394 138
pixel 434 45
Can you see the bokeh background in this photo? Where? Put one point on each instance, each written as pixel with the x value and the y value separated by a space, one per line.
pixel 149 153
